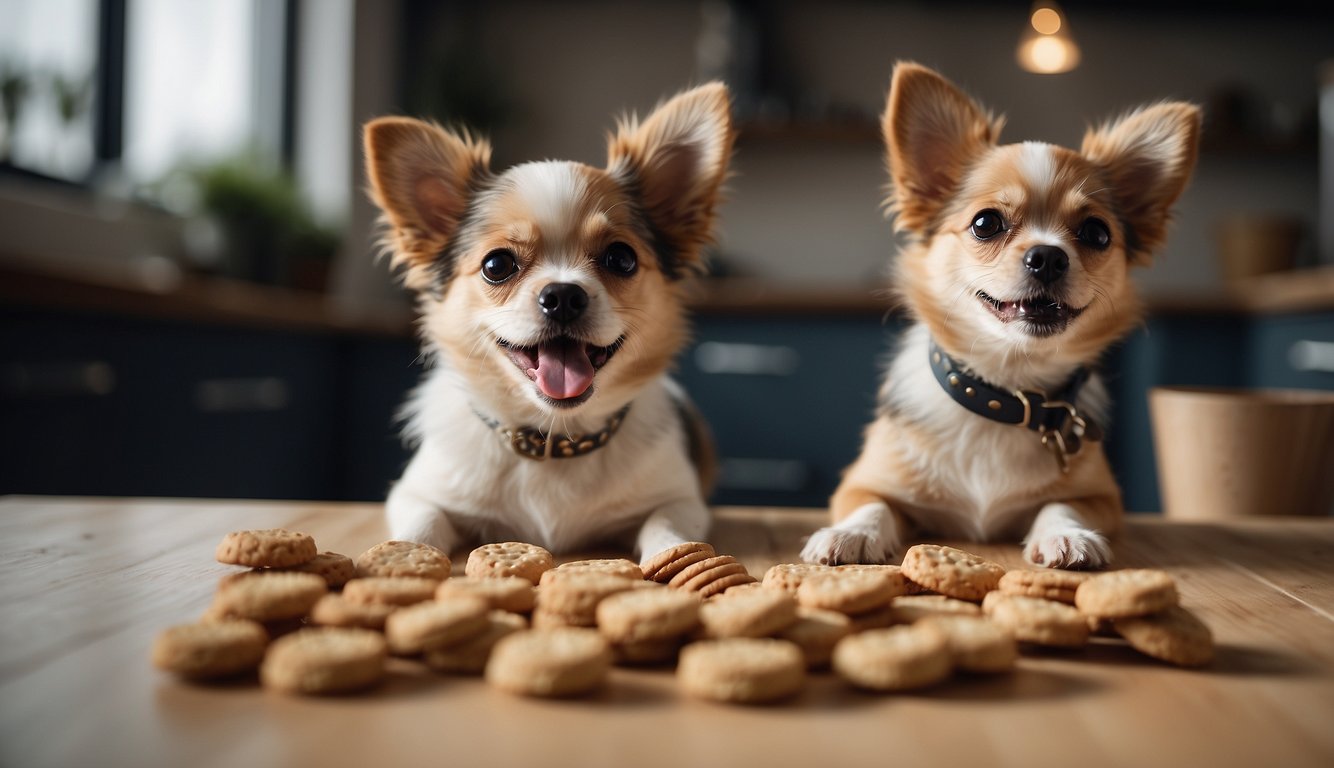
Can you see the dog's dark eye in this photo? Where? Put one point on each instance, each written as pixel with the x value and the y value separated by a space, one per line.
pixel 620 259
pixel 1094 233
pixel 499 266
pixel 987 224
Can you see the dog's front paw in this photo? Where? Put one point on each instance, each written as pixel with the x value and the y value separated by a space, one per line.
pixel 835 546
pixel 1070 548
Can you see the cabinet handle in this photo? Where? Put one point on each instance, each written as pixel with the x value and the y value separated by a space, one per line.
pixel 763 474
pixel 260 393
pixel 63 379
pixel 746 359
pixel 1307 355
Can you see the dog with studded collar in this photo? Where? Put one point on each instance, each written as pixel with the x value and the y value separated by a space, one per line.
pixel 1016 275
pixel 552 304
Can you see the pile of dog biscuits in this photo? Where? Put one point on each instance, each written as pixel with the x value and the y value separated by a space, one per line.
pixel 320 623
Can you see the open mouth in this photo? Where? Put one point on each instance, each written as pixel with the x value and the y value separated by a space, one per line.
pixel 1042 315
pixel 561 367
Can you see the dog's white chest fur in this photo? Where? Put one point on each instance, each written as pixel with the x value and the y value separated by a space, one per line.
pixel 982 475
pixel 466 471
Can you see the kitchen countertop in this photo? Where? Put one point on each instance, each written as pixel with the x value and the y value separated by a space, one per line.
pixel 87 583
pixel 230 302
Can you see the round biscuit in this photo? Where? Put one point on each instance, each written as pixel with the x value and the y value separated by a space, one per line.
pixel 210 650
pixel 853 591
pixel 725 583
pixel 1048 583
pixel 1175 635
pixel 654 566
pixel 877 619
pixel 266 548
pixel 392 590
pixel 404 558
pixel 711 576
pixel 335 569
pixel 509 558
pixel 324 660
pixel 753 613
pixel 893 659
pixel 1038 621
pixel 575 595
pixel 618 566
pixel 550 662
pixel 788 576
pixel 695 569
pixel 468 657
pixel 951 572
pixel 414 629
pixel 898 582
pixel 270 595
pixel 975 644
pixel 505 593
pixel 646 652
pixel 910 608
pixel 816 632
pixel 640 615
pixel 1125 593
pixel 742 670
pixel 337 611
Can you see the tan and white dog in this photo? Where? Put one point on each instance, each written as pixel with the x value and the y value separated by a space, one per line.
pixel 1017 278
pixel 552 304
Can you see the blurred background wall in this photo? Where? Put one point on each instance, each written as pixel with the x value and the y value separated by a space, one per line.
pixel 186 253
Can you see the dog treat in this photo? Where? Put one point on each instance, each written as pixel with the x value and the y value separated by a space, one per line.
pixel 647 653
pixel 898 582
pixel 469 656
pixel 1121 594
pixel 324 660
pixel 725 583
pixel 877 619
pixel 788 576
pixel 391 590
pixel 418 627
pixel 573 596
pixel 612 566
pixel 207 651
pixel 910 608
pixel 816 632
pixel 404 558
pixel 734 573
pixel 893 659
pixel 705 566
pixel 640 615
pixel 742 670
pixel 509 558
pixel 335 569
pixel 337 611
pixel 975 644
pixel 1175 635
pixel 549 662
pixel 1038 621
pixel 848 591
pixel 267 548
pixel 669 562
pixel 269 596
pixel 1048 584
pixel 505 593
pixel 757 613
pixel 951 572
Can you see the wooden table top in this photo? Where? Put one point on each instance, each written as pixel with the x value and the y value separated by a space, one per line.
pixel 86 584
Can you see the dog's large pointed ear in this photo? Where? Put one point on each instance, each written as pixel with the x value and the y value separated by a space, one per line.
pixel 675 160
pixel 422 177
pixel 933 132
pixel 1149 155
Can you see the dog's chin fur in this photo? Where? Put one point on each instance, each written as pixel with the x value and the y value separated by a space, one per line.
pixel 932 467
pixel 479 249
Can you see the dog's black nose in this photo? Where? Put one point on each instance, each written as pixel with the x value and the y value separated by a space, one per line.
pixel 1047 263
pixel 563 302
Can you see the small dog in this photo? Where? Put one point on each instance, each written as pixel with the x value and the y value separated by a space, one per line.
pixel 1016 276
pixel 552 303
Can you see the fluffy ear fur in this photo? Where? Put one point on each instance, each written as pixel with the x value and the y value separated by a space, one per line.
pixel 422 177
pixel 1149 155
pixel 933 132
pixel 676 160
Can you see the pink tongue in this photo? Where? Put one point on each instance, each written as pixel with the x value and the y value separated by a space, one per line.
pixel 563 369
